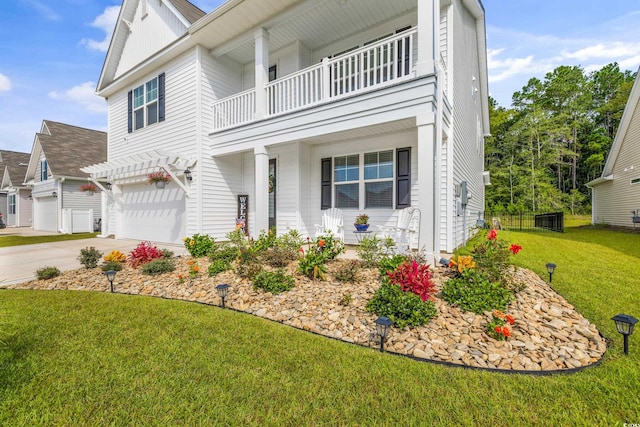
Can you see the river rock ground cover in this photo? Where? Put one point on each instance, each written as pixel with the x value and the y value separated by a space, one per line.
pixel 548 333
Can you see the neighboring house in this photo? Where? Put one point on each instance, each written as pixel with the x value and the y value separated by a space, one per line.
pixel 363 105
pixel 617 192
pixel 16 196
pixel 59 151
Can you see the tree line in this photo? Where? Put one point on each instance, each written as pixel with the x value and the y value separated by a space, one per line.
pixel 554 139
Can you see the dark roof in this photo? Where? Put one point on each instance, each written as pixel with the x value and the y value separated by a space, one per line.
pixel 70 148
pixel 16 164
pixel 189 10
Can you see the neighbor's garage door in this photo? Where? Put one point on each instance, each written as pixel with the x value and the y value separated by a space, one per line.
pixel 46 217
pixel 152 214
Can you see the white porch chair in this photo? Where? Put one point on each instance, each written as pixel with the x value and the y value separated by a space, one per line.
pixel 332 221
pixel 405 230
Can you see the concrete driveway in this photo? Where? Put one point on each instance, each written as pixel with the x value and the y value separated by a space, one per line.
pixel 19 263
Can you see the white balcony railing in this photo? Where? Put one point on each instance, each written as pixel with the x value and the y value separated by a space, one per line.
pixel 372 66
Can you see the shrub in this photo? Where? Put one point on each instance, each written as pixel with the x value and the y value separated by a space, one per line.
pixel 274 282
pixel 346 300
pixel 225 251
pixel 278 257
pixel 143 253
pixel 248 270
pixel 199 245
pixel 473 291
pixel 111 265
pixel 387 264
pixel 460 263
pixel 45 273
pixel 237 238
pixel 312 265
pixel 115 256
pixel 413 277
pixel 348 271
pixel 370 251
pixel 266 240
pixel 89 257
pixel 158 266
pixel 492 257
pixel 403 308
pixel 290 241
pixel 329 246
pixel 166 253
pixel 194 269
pixel 497 328
pixel 219 266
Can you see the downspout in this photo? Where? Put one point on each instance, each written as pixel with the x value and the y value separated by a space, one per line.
pixel 60 204
pixel 439 105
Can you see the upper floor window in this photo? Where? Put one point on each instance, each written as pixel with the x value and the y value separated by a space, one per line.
pixel 635 181
pixel 44 170
pixel 146 104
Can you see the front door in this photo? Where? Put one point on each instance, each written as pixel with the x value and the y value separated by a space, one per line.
pixel 272 193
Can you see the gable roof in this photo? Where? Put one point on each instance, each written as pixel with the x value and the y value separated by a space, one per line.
pixel 68 148
pixel 190 11
pixel 14 165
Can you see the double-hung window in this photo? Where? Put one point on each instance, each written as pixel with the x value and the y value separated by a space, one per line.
pixel 146 104
pixel 346 175
pixel 378 179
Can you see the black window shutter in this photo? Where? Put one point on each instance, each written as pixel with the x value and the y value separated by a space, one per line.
pixel 403 178
pixel 161 97
pixel 325 199
pixel 130 111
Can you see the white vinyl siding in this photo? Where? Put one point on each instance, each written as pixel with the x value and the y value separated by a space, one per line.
pixel 73 198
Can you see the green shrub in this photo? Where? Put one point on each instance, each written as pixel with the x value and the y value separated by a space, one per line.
pixel 166 253
pixel 218 266
pixel 370 251
pixel 225 251
pixel 278 257
pixel 237 238
pixel 266 240
pixel 158 266
pixel 248 270
pixel 348 271
pixel 386 264
pixel 291 241
pixel 89 257
pixel 403 308
pixel 111 265
pixel 199 245
pixel 45 273
pixel 329 246
pixel 473 291
pixel 274 282
pixel 312 265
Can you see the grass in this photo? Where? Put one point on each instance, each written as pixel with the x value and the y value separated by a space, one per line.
pixel 9 240
pixel 82 358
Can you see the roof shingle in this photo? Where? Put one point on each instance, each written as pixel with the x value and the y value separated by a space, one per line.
pixel 16 164
pixel 190 11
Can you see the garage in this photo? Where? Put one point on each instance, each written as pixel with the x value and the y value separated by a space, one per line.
pixel 152 214
pixel 46 214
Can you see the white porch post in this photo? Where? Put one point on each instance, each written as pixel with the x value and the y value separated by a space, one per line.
pixel 428 30
pixel 261 221
pixel 427 185
pixel 261 38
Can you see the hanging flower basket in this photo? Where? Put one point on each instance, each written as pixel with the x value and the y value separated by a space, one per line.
pixel 88 189
pixel 158 178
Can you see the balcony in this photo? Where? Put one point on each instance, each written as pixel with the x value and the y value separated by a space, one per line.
pixel 386 62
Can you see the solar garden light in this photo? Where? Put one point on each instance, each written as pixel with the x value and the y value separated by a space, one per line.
pixel 444 262
pixel 382 328
pixel 111 274
pixel 223 291
pixel 624 325
pixel 550 269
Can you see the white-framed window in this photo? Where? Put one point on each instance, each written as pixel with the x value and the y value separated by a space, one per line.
pixel 12 204
pixel 44 170
pixel 635 181
pixel 378 180
pixel 346 176
pixel 145 104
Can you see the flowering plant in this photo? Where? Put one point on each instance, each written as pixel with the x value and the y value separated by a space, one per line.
pixel 497 328
pixel 492 257
pixel 158 176
pixel 115 256
pixel 362 219
pixel 413 277
pixel 90 187
pixel 194 270
pixel 460 263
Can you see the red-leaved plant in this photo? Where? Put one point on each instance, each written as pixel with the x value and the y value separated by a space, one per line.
pixel 142 254
pixel 413 277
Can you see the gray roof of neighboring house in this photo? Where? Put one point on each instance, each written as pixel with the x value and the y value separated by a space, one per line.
pixel 70 148
pixel 16 163
pixel 190 11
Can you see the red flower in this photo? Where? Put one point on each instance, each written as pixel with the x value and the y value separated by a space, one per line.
pixel 498 329
pixel 506 332
pixel 493 234
pixel 509 319
pixel 321 243
pixel 515 249
pixel 301 250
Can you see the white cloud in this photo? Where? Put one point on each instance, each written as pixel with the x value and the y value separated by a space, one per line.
pixel 501 69
pixel 106 22
pixel 43 10
pixel 83 94
pixel 5 83
pixel 604 50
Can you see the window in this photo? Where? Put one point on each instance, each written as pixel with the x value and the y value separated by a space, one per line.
pixel 378 176
pixel 44 170
pixel 146 104
pixel 346 172
pixel 12 204
pixel 635 181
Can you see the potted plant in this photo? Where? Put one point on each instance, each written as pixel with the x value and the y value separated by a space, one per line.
pixel 362 222
pixel 89 188
pixel 158 178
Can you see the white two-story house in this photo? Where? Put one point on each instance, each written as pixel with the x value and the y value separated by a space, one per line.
pixel 280 109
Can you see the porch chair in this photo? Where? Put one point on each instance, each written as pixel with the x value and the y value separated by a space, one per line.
pixel 332 221
pixel 405 230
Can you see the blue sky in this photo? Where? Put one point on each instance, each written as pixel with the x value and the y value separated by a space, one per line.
pixel 52 51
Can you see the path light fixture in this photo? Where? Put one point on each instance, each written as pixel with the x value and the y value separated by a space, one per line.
pixel 624 325
pixel 111 274
pixel 382 329
pixel 550 269
pixel 444 262
pixel 223 291
pixel 187 174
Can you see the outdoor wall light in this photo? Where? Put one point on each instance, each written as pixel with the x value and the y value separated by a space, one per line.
pixel 54 194
pixel 550 269
pixel 111 274
pixel 30 196
pixel 187 174
pixel 624 325
pixel 382 329
pixel 107 185
pixel 223 291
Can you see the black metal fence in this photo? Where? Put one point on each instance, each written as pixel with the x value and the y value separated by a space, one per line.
pixel 525 221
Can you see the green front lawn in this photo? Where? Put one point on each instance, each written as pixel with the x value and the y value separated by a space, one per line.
pixel 6 241
pixel 82 358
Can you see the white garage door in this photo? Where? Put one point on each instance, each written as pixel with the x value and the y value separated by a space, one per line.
pixel 46 218
pixel 152 214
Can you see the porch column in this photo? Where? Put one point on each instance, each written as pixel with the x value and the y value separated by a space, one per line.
pixel 427 185
pixel 261 221
pixel 261 38
pixel 428 30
